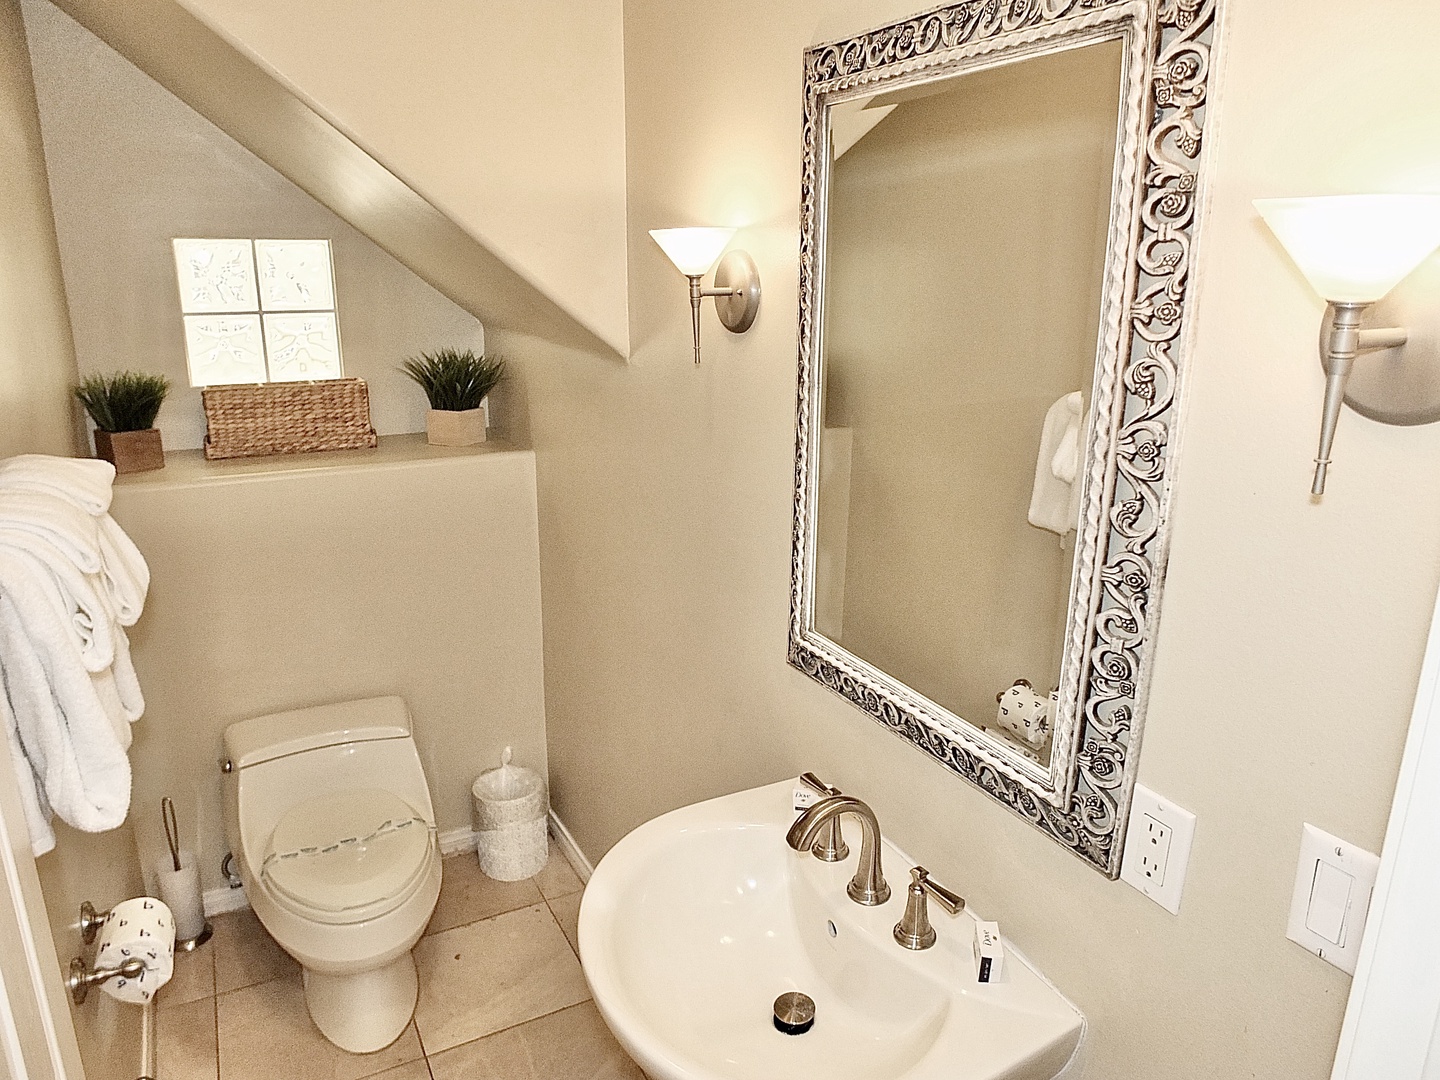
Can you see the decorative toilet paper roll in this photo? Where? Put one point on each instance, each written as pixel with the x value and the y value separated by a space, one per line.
pixel 1026 714
pixel 142 928
pixel 180 889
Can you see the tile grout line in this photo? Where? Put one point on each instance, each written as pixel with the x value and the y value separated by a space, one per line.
pixel 215 1007
pixel 511 1027
pixel 574 948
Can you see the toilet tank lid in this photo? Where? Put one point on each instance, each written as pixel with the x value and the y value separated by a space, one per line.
pixel 265 738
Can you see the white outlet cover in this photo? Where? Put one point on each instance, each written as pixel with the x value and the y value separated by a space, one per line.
pixel 1334 881
pixel 1146 864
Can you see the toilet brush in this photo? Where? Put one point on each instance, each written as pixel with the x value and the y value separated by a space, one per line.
pixel 179 886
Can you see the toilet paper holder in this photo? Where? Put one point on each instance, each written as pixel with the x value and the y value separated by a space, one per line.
pixel 81 978
pixel 91 921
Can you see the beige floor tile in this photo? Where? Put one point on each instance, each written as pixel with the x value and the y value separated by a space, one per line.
pixel 478 979
pixel 566 910
pixel 194 976
pixel 185 1046
pixel 573 1044
pixel 266 1032
pixel 245 953
pixel 467 895
pixel 557 879
pixel 415 1070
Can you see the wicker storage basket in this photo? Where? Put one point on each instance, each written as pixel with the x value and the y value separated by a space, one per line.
pixel 287 418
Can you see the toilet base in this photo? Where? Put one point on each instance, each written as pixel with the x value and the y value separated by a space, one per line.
pixel 366 1011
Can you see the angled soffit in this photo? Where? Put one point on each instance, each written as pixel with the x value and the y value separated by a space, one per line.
pixel 260 112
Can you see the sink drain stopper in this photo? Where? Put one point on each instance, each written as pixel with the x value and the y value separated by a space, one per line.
pixel 794 1013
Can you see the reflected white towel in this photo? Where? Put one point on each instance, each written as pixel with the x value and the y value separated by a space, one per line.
pixel 85 482
pixel 69 737
pixel 1054 500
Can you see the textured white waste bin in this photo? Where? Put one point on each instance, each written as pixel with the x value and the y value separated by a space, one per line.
pixel 511 804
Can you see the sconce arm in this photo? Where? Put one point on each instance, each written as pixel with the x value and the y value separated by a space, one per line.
pixel 1340 348
pixel 1390 337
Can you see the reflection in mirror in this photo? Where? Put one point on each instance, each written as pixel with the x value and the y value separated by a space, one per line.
pixel 966 240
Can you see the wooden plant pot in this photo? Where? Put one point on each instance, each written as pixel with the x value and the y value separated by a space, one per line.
pixel 131 451
pixel 455 428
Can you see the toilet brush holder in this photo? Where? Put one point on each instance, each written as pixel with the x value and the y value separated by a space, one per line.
pixel 180 889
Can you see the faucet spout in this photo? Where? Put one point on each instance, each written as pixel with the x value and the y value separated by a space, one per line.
pixel 868 886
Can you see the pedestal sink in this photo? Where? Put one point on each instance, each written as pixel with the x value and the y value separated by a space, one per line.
pixel 697 921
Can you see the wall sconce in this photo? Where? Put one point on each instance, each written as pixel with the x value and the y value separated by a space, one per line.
pixel 737 281
pixel 1354 249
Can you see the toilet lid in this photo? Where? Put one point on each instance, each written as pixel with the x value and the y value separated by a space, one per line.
pixel 347 850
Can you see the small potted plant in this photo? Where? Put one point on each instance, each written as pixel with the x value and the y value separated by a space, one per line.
pixel 456 382
pixel 124 407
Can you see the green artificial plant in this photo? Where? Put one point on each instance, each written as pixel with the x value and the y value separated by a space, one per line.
pixel 124 401
pixel 455 380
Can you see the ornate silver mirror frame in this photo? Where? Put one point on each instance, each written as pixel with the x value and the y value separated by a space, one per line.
pixel 1082 798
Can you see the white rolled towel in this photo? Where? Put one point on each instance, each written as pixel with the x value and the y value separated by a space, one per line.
pixel 81 598
pixel 32 799
pixel 71 740
pixel 124 571
pixel 143 929
pixel 62 523
pixel 85 482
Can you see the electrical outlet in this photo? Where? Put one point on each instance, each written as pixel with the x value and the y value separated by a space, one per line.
pixel 1154 850
pixel 1157 848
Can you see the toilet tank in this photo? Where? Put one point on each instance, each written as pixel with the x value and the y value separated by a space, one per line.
pixel 286 758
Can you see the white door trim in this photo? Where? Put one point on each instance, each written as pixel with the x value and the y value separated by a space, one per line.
pixel 1390 1021
pixel 35 1025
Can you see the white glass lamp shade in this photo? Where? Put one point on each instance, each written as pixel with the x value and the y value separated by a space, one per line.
pixel 1354 249
pixel 693 251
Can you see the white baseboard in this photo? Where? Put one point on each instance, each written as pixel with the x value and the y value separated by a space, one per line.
pixel 456 842
pixel 571 850
pixel 452 842
pixel 225 899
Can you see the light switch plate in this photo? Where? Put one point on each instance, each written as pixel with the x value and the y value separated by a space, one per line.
pixel 1333 883
pixel 1157 848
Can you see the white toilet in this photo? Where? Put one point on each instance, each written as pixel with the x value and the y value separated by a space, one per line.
pixel 329 818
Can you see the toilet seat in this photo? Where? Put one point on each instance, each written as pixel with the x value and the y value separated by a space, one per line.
pixel 348 856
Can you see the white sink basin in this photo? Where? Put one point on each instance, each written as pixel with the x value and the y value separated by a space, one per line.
pixel 694 923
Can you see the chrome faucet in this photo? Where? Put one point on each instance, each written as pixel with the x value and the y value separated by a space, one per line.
pixel 868 885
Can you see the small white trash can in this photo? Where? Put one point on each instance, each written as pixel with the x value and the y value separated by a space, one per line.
pixel 510 805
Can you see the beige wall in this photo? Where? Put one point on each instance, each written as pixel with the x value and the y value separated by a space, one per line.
pixel 965 251
pixel 131 167
pixel 508 115
pixel 37 358
pixel 1292 631
pixel 37 369
pixel 290 582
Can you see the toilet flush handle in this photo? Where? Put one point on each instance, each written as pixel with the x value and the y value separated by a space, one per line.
pixel 227 766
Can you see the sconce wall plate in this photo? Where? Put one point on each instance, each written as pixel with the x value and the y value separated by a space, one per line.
pixel 737 275
pixel 1399 385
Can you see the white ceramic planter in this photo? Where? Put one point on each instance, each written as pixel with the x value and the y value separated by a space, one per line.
pixel 455 428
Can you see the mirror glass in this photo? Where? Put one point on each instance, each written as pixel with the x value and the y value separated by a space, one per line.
pixel 966 235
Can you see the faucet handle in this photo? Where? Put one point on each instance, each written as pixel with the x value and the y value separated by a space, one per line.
pixel 914 930
pixel 810 780
pixel 950 900
pixel 830 846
